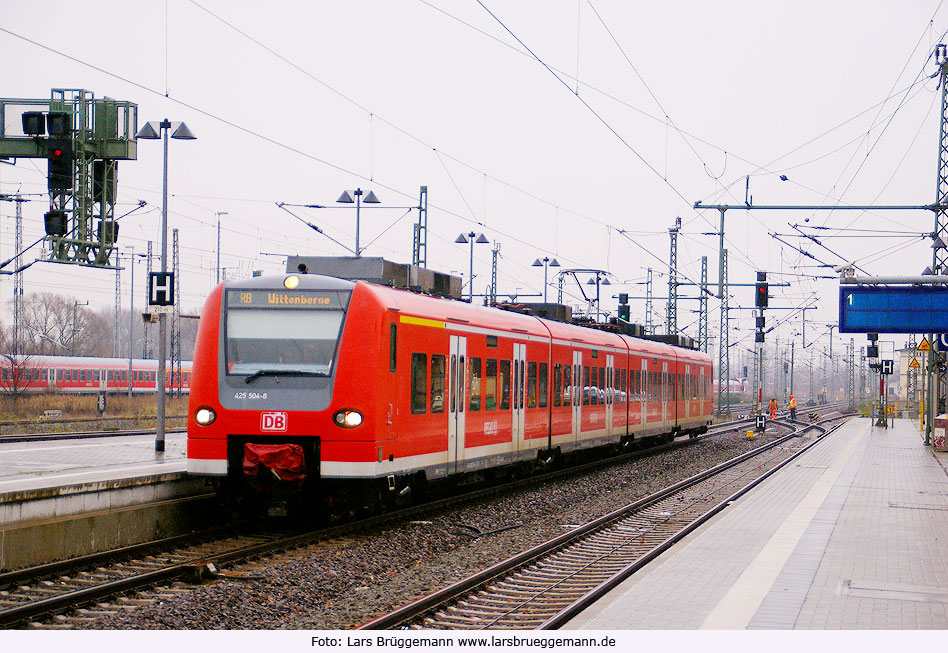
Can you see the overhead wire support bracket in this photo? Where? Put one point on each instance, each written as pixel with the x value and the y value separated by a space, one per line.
pixel 747 206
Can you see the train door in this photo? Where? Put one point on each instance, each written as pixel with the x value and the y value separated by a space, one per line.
pixel 517 392
pixel 458 396
pixel 610 392
pixel 687 395
pixel 576 396
pixel 644 391
pixel 665 391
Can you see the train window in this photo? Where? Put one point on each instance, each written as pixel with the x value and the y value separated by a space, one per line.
pixel 586 388
pixel 594 386
pixel 567 385
pixel 299 336
pixel 603 385
pixel 392 349
pixel 82 375
pixel 504 382
pixel 491 341
pixel 623 397
pixel 474 382
pixel 490 383
pixel 460 378
pixel 557 385
pixel 95 375
pixel 437 383
pixel 419 382
pixel 542 389
pixel 531 385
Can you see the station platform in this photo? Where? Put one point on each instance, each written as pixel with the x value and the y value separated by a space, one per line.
pixel 29 466
pixel 852 535
pixel 65 498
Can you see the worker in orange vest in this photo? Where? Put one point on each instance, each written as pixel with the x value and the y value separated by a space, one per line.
pixel 772 406
pixel 793 407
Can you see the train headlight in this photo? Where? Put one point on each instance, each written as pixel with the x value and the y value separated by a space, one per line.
pixel 205 416
pixel 291 282
pixel 348 419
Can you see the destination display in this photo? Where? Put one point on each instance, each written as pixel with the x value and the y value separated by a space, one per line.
pixel 285 299
pixel 893 309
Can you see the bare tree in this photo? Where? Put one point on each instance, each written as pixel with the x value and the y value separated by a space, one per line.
pixel 54 324
pixel 57 325
pixel 16 371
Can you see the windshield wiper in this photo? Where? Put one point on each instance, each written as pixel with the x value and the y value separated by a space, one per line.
pixel 256 375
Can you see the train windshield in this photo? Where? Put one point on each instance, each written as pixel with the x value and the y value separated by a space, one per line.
pixel 272 333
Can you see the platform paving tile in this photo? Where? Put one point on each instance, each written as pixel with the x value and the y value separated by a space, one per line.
pixel 868 556
pixel 706 564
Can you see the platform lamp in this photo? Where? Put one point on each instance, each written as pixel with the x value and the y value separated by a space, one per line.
pixel 154 131
pixel 461 239
pixel 547 263
pixel 596 280
pixel 346 198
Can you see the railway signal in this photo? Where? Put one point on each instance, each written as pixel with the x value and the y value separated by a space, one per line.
pixel 761 291
pixel 624 311
pixel 59 153
pixel 82 138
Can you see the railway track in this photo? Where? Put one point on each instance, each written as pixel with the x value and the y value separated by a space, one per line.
pixel 544 587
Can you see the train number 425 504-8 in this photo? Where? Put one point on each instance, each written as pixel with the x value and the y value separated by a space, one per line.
pixel 250 395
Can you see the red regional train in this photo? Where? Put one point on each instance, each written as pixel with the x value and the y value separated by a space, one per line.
pixel 85 375
pixel 364 391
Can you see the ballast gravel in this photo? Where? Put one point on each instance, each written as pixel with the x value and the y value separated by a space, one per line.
pixel 344 583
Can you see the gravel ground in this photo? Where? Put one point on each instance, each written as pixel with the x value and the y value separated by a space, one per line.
pixel 344 583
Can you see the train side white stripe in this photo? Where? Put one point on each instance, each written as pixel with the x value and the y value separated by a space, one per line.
pixel 209 467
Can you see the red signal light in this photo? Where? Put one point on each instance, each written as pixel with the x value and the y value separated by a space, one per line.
pixel 57 153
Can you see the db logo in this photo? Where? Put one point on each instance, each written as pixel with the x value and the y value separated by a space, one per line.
pixel 273 421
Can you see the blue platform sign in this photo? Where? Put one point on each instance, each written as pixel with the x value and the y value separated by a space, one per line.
pixel 893 309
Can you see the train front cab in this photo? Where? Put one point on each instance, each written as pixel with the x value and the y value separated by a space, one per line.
pixel 265 363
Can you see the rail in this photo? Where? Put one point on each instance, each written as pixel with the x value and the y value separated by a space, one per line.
pixel 545 586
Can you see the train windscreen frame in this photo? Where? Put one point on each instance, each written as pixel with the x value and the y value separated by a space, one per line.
pixel 280 332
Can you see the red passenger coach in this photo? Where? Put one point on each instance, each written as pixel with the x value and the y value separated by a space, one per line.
pixel 345 387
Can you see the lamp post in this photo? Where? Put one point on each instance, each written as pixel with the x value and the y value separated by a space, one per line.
pixel 605 282
pixel 154 131
pixel 219 214
pixel 462 238
pixel 547 263
pixel 346 198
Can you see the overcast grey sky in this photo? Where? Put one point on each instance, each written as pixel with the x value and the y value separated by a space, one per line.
pixel 624 115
